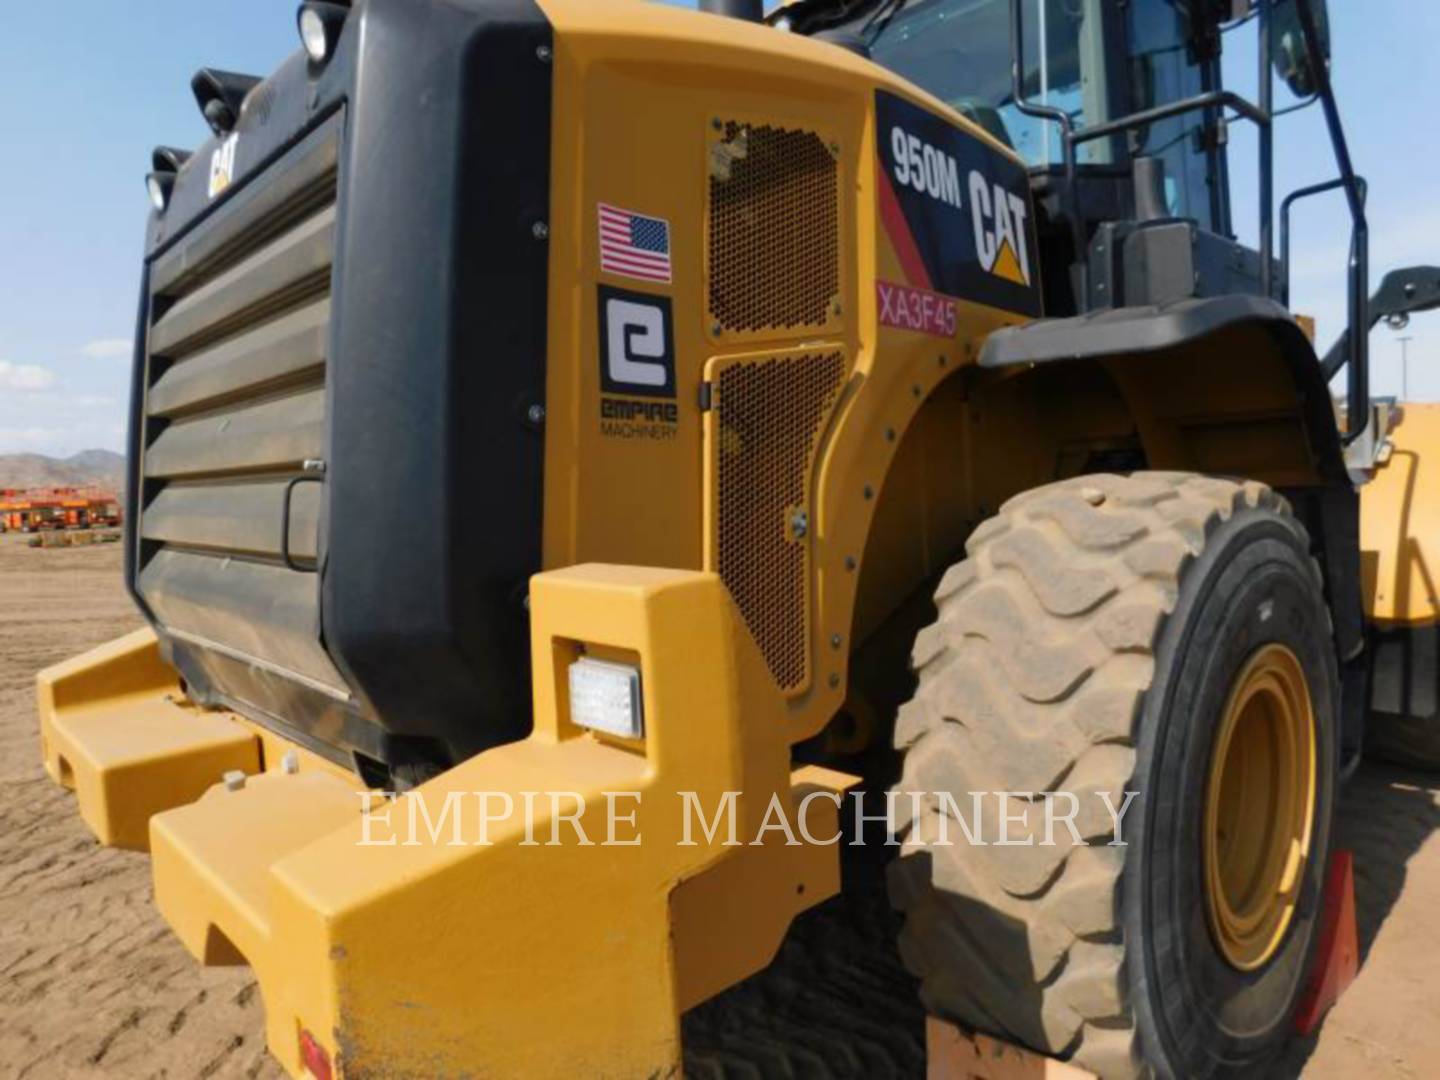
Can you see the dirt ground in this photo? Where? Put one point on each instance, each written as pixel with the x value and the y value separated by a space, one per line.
pixel 92 983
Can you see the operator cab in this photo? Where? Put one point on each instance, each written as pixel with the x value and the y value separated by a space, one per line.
pixel 1120 112
pixel 1095 61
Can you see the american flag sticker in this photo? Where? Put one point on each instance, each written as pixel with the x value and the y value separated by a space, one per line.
pixel 634 245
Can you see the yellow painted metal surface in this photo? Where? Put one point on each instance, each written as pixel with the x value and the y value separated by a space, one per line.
pixel 117 729
pixel 1400 524
pixel 719 936
pixel 114 728
pixel 1259 808
pixel 642 500
pixel 215 855
pixel 450 949
pixel 533 933
pixel 645 494
pixel 515 957
pixel 274 748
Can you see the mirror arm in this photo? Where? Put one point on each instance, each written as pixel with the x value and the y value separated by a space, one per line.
pixel 1401 292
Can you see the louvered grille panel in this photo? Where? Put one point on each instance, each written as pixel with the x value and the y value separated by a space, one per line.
pixel 234 408
pixel 770 416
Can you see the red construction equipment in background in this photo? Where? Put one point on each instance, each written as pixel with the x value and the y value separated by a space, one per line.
pixel 46 509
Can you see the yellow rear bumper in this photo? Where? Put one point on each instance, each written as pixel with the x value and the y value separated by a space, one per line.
pixel 417 939
pixel 115 728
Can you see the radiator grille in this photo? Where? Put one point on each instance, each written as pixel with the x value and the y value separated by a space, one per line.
pixel 770 415
pixel 234 408
pixel 774 229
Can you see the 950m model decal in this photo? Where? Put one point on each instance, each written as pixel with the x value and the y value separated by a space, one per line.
pixel 956 211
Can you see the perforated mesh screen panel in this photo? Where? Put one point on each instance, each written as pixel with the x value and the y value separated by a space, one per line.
pixel 770 415
pixel 774 229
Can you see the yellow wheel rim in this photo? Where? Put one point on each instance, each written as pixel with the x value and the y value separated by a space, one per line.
pixel 1259 807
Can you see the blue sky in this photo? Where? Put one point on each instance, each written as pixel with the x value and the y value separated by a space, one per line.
pixel 81 111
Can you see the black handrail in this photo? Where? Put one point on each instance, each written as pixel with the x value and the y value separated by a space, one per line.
pixel 1357 396
pixel 1070 138
pixel 1262 115
pixel 1285 203
pixel 1209 99
pixel 1067 143
pixel 1265 83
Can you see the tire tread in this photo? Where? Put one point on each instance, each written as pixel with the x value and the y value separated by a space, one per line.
pixel 1032 679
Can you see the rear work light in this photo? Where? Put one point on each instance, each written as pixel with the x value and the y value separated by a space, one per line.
pixel 320 25
pixel 159 186
pixel 605 696
pixel 220 95
pixel 165 162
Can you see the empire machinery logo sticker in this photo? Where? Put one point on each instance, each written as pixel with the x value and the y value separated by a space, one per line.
pixel 637 365
pixel 637 329
pixel 957 213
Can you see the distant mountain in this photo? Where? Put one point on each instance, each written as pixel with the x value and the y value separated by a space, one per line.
pixel 101 468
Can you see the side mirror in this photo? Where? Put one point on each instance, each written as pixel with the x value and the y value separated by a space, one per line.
pixel 1401 292
pixel 1292 61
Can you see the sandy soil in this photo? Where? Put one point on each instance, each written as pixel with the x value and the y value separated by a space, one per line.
pixel 1388 1022
pixel 92 982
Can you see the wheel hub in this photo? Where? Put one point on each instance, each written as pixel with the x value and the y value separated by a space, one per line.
pixel 1259 807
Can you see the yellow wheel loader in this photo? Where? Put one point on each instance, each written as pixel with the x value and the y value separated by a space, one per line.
pixel 1398 532
pixel 874 395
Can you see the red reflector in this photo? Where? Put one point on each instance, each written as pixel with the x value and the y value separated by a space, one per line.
pixel 315 1057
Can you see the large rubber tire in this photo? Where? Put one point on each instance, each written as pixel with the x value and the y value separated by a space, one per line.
pixel 1088 644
